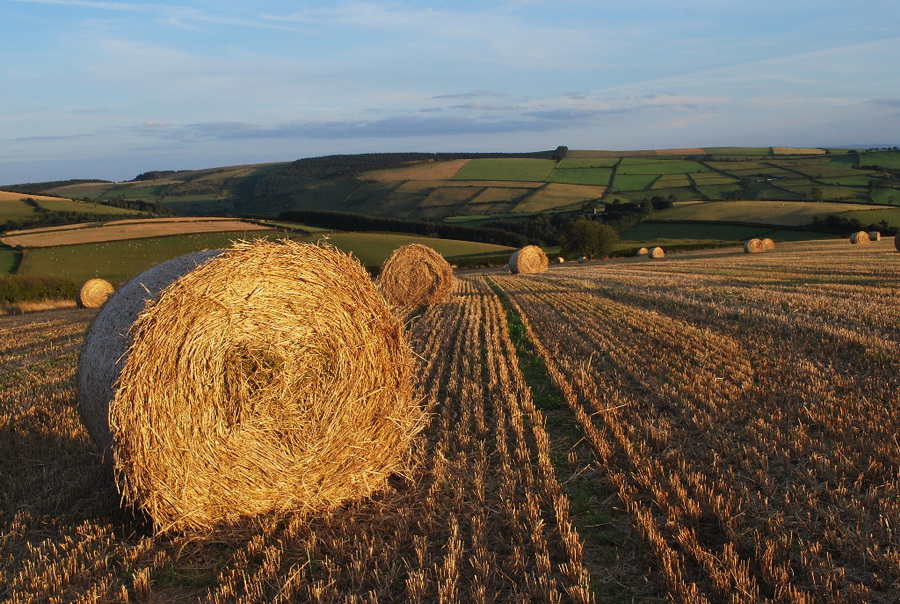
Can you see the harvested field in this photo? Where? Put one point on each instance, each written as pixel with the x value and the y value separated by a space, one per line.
pixel 718 427
pixel 420 171
pixel 125 229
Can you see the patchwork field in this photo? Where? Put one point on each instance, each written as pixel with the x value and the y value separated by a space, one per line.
pixel 709 427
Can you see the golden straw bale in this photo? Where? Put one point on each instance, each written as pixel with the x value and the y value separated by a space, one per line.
pixel 269 376
pixel 768 244
pixel 642 251
pixel 560 260
pixel 529 259
pixel 94 293
pixel 415 276
pixel 655 252
pixel 859 237
pixel 874 235
pixel 753 246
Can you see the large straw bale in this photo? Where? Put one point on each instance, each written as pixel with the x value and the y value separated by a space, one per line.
pixel 753 246
pixel 655 253
pixel 768 244
pixel 874 235
pixel 266 377
pixel 415 276
pixel 529 259
pixel 859 237
pixel 94 293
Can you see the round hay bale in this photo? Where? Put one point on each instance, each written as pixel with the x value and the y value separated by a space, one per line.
pixel 529 259
pixel 415 276
pixel 655 252
pixel 94 293
pixel 269 376
pixel 582 259
pixel 753 246
pixel 642 251
pixel 859 237
pixel 897 241
pixel 874 235
pixel 768 244
pixel 560 260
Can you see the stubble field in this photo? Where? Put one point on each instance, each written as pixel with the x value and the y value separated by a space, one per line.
pixel 710 427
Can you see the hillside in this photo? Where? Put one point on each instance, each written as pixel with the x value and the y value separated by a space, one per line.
pixel 440 186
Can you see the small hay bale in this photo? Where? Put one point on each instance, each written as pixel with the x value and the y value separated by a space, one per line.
pixel 94 293
pixel 415 276
pixel 582 259
pixel 530 259
pixel 560 260
pixel 655 252
pixel 266 377
pixel 642 251
pixel 874 235
pixel 897 241
pixel 753 246
pixel 859 237
pixel 768 244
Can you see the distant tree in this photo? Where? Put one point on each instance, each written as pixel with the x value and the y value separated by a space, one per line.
pixel 561 152
pixel 589 238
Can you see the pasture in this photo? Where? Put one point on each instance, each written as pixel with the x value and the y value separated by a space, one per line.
pixel 709 427
pixel 118 261
pixel 785 213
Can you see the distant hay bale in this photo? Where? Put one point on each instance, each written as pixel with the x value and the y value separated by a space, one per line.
pixel 642 251
pixel 897 241
pixel 859 237
pixel 529 259
pixel 655 253
pixel 874 235
pixel 582 259
pixel 415 276
pixel 768 244
pixel 266 377
pixel 94 293
pixel 560 260
pixel 753 246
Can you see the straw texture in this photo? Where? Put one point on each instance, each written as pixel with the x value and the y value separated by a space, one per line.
pixel 859 237
pixel 266 377
pixel 655 253
pixel 768 244
pixel 753 246
pixel 415 276
pixel 530 259
pixel 94 293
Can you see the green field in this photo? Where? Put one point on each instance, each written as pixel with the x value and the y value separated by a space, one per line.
pixel 784 213
pixel 633 182
pixel 14 209
pixel 9 260
pixel 68 205
pixel 534 170
pixel 867 217
pixel 587 162
pixel 887 196
pixel 558 195
pixel 664 166
pixel 582 176
pixel 118 261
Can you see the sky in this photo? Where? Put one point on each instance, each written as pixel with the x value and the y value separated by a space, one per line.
pixel 110 89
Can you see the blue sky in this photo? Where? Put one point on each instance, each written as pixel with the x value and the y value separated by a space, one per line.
pixel 109 89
